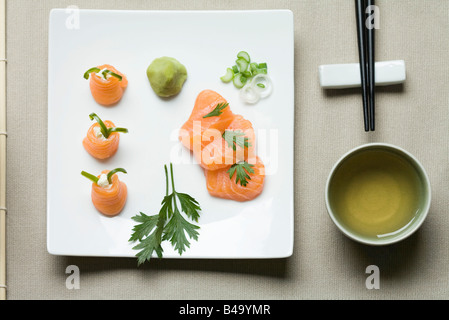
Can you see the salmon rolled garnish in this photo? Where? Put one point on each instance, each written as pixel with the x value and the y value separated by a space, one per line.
pixel 108 194
pixel 107 84
pixel 102 138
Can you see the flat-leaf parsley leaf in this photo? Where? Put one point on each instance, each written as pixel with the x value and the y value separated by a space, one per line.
pixel 169 224
pixel 236 138
pixel 241 171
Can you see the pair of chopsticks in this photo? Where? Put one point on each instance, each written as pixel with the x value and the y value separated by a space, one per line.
pixel 365 37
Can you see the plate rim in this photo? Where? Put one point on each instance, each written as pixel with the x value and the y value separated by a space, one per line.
pixel 287 250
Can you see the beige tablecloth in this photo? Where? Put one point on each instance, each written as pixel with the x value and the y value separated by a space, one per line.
pixel 324 264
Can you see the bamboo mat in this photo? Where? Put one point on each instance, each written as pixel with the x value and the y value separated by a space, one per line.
pixel 3 136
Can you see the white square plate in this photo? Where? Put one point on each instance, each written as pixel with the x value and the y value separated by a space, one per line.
pixel 206 42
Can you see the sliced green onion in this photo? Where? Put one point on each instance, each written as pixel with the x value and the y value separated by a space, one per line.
pixel 228 76
pixel 112 172
pixel 247 74
pixel 253 66
pixel 262 84
pixel 119 77
pixel 249 94
pixel 89 176
pixel 244 55
pixel 251 77
pixel 242 64
pixel 88 72
pixel 239 80
pixel 260 71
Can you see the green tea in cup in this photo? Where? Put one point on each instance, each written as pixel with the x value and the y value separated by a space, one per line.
pixel 378 194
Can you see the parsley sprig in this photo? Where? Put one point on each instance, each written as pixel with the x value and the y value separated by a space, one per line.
pixel 217 111
pixel 241 171
pixel 169 224
pixel 236 138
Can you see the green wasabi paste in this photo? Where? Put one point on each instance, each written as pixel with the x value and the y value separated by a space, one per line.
pixel 167 76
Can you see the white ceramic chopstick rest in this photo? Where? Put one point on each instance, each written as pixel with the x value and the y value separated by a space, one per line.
pixel 340 76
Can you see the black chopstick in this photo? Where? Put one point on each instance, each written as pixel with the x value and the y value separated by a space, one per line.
pixel 361 37
pixel 371 72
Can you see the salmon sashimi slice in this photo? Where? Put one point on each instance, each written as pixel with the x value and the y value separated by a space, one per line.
pixel 110 91
pixel 109 200
pixel 97 145
pixel 236 144
pixel 220 185
pixel 193 129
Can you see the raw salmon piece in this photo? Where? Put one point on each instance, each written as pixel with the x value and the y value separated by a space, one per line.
pixel 220 185
pixel 98 147
pixel 110 200
pixel 218 153
pixel 192 131
pixel 110 91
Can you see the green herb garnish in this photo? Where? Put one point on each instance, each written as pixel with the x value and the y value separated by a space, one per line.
pixel 88 72
pixel 169 224
pixel 95 179
pixel 112 172
pixel 104 73
pixel 105 131
pixel 217 111
pixel 241 171
pixel 90 176
pixel 236 138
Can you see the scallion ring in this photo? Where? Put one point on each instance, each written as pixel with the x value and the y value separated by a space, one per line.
pixel 244 55
pixel 262 84
pixel 239 80
pixel 229 75
pixel 242 64
pixel 249 94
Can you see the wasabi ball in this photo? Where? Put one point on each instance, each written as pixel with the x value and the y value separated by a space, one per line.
pixel 167 76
